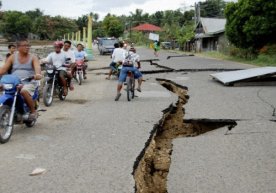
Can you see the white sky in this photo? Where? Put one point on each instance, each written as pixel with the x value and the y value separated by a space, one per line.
pixel 77 8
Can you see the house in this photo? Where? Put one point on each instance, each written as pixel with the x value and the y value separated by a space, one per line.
pixel 209 34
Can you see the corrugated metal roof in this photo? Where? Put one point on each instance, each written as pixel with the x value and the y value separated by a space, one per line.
pixel 240 75
pixel 213 25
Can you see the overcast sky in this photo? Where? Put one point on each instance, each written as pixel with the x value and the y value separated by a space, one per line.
pixel 77 8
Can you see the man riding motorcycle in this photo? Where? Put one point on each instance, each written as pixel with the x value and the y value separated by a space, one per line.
pixel 80 55
pixel 24 64
pixel 69 55
pixel 58 59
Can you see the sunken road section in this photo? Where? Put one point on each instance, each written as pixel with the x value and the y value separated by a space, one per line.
pixel 151 167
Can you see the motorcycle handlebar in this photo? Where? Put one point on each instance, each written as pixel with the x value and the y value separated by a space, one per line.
pixel 28 78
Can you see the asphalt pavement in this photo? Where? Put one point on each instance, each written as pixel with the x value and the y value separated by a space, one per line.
pixel 89 142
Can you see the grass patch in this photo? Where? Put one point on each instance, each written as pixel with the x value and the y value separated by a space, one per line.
pixel 261 60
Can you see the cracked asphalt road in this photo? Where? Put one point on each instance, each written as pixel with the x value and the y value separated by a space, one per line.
pixel 89 142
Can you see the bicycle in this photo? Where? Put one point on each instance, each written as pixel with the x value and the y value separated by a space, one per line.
pixel 130 82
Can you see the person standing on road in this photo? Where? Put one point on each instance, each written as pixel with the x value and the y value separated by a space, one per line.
pixel 24 65
pixel 156 47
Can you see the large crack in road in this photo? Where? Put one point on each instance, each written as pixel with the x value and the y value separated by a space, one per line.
pixel 151 167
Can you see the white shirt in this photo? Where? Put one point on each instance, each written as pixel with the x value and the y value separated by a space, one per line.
pixel 69 54
pixel 132 57
pixel 118 55
pixel 57 59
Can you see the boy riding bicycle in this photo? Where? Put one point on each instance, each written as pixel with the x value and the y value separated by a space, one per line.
pixel 128 65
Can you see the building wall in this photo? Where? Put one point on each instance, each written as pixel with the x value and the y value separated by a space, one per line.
pixel 210 43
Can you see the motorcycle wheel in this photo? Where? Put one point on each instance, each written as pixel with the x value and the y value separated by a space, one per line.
pixel 60 94
pixel 80 78
pixel 5 130
pixel 77 77
pixel 47 97
pixel 30 123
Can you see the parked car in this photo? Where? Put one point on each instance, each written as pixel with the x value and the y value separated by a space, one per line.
pixel 106 45
pixel 166 45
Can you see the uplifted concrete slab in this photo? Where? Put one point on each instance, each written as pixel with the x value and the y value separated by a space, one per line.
pixel 244 75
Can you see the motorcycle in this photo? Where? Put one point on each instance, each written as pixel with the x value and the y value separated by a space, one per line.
pixel 79 74
pixel 53 85
pixel 13 109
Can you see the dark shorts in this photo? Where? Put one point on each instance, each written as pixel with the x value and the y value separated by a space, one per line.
pixel 113 65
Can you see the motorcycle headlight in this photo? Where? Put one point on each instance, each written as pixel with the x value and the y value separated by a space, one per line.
pixel 8 86
pixel 50 71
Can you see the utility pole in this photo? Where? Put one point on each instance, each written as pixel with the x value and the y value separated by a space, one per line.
pixel 197 13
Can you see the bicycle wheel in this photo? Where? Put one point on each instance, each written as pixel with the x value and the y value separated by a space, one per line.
pixel 129 87
pixel 133 87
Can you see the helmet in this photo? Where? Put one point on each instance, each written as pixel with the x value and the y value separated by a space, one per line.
pixel 58 44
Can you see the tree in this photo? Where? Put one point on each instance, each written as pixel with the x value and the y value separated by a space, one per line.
pixel 157 18
pixel 138 16
pixel 34 14
pixel 185 34
pixel 16 24
pixel 251 24
pixel 113 26
pixel 62 25
pixel 212 8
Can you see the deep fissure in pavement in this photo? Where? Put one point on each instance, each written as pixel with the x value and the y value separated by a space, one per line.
pixel 152 165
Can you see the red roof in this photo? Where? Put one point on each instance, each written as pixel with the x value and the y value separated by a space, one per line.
pixel 147 27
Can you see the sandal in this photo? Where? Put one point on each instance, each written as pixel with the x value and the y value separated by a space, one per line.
pixel 71 86
pixel 65 92
pixel 118 96
pixel 33 116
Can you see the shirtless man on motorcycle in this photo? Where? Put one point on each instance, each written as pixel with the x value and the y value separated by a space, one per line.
pixel 24 64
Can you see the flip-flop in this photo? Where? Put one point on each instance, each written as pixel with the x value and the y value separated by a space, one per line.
pixel 71 87
pixel 65 92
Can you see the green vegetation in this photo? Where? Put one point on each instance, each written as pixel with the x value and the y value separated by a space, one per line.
pixel 178 24
pixel 251 24
pixel 250 27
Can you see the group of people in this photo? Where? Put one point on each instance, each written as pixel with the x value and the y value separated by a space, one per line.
pixel 128 59
pixel 64 59
pixel 20 62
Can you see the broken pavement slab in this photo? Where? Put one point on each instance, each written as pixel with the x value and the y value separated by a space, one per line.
pixel 253 74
